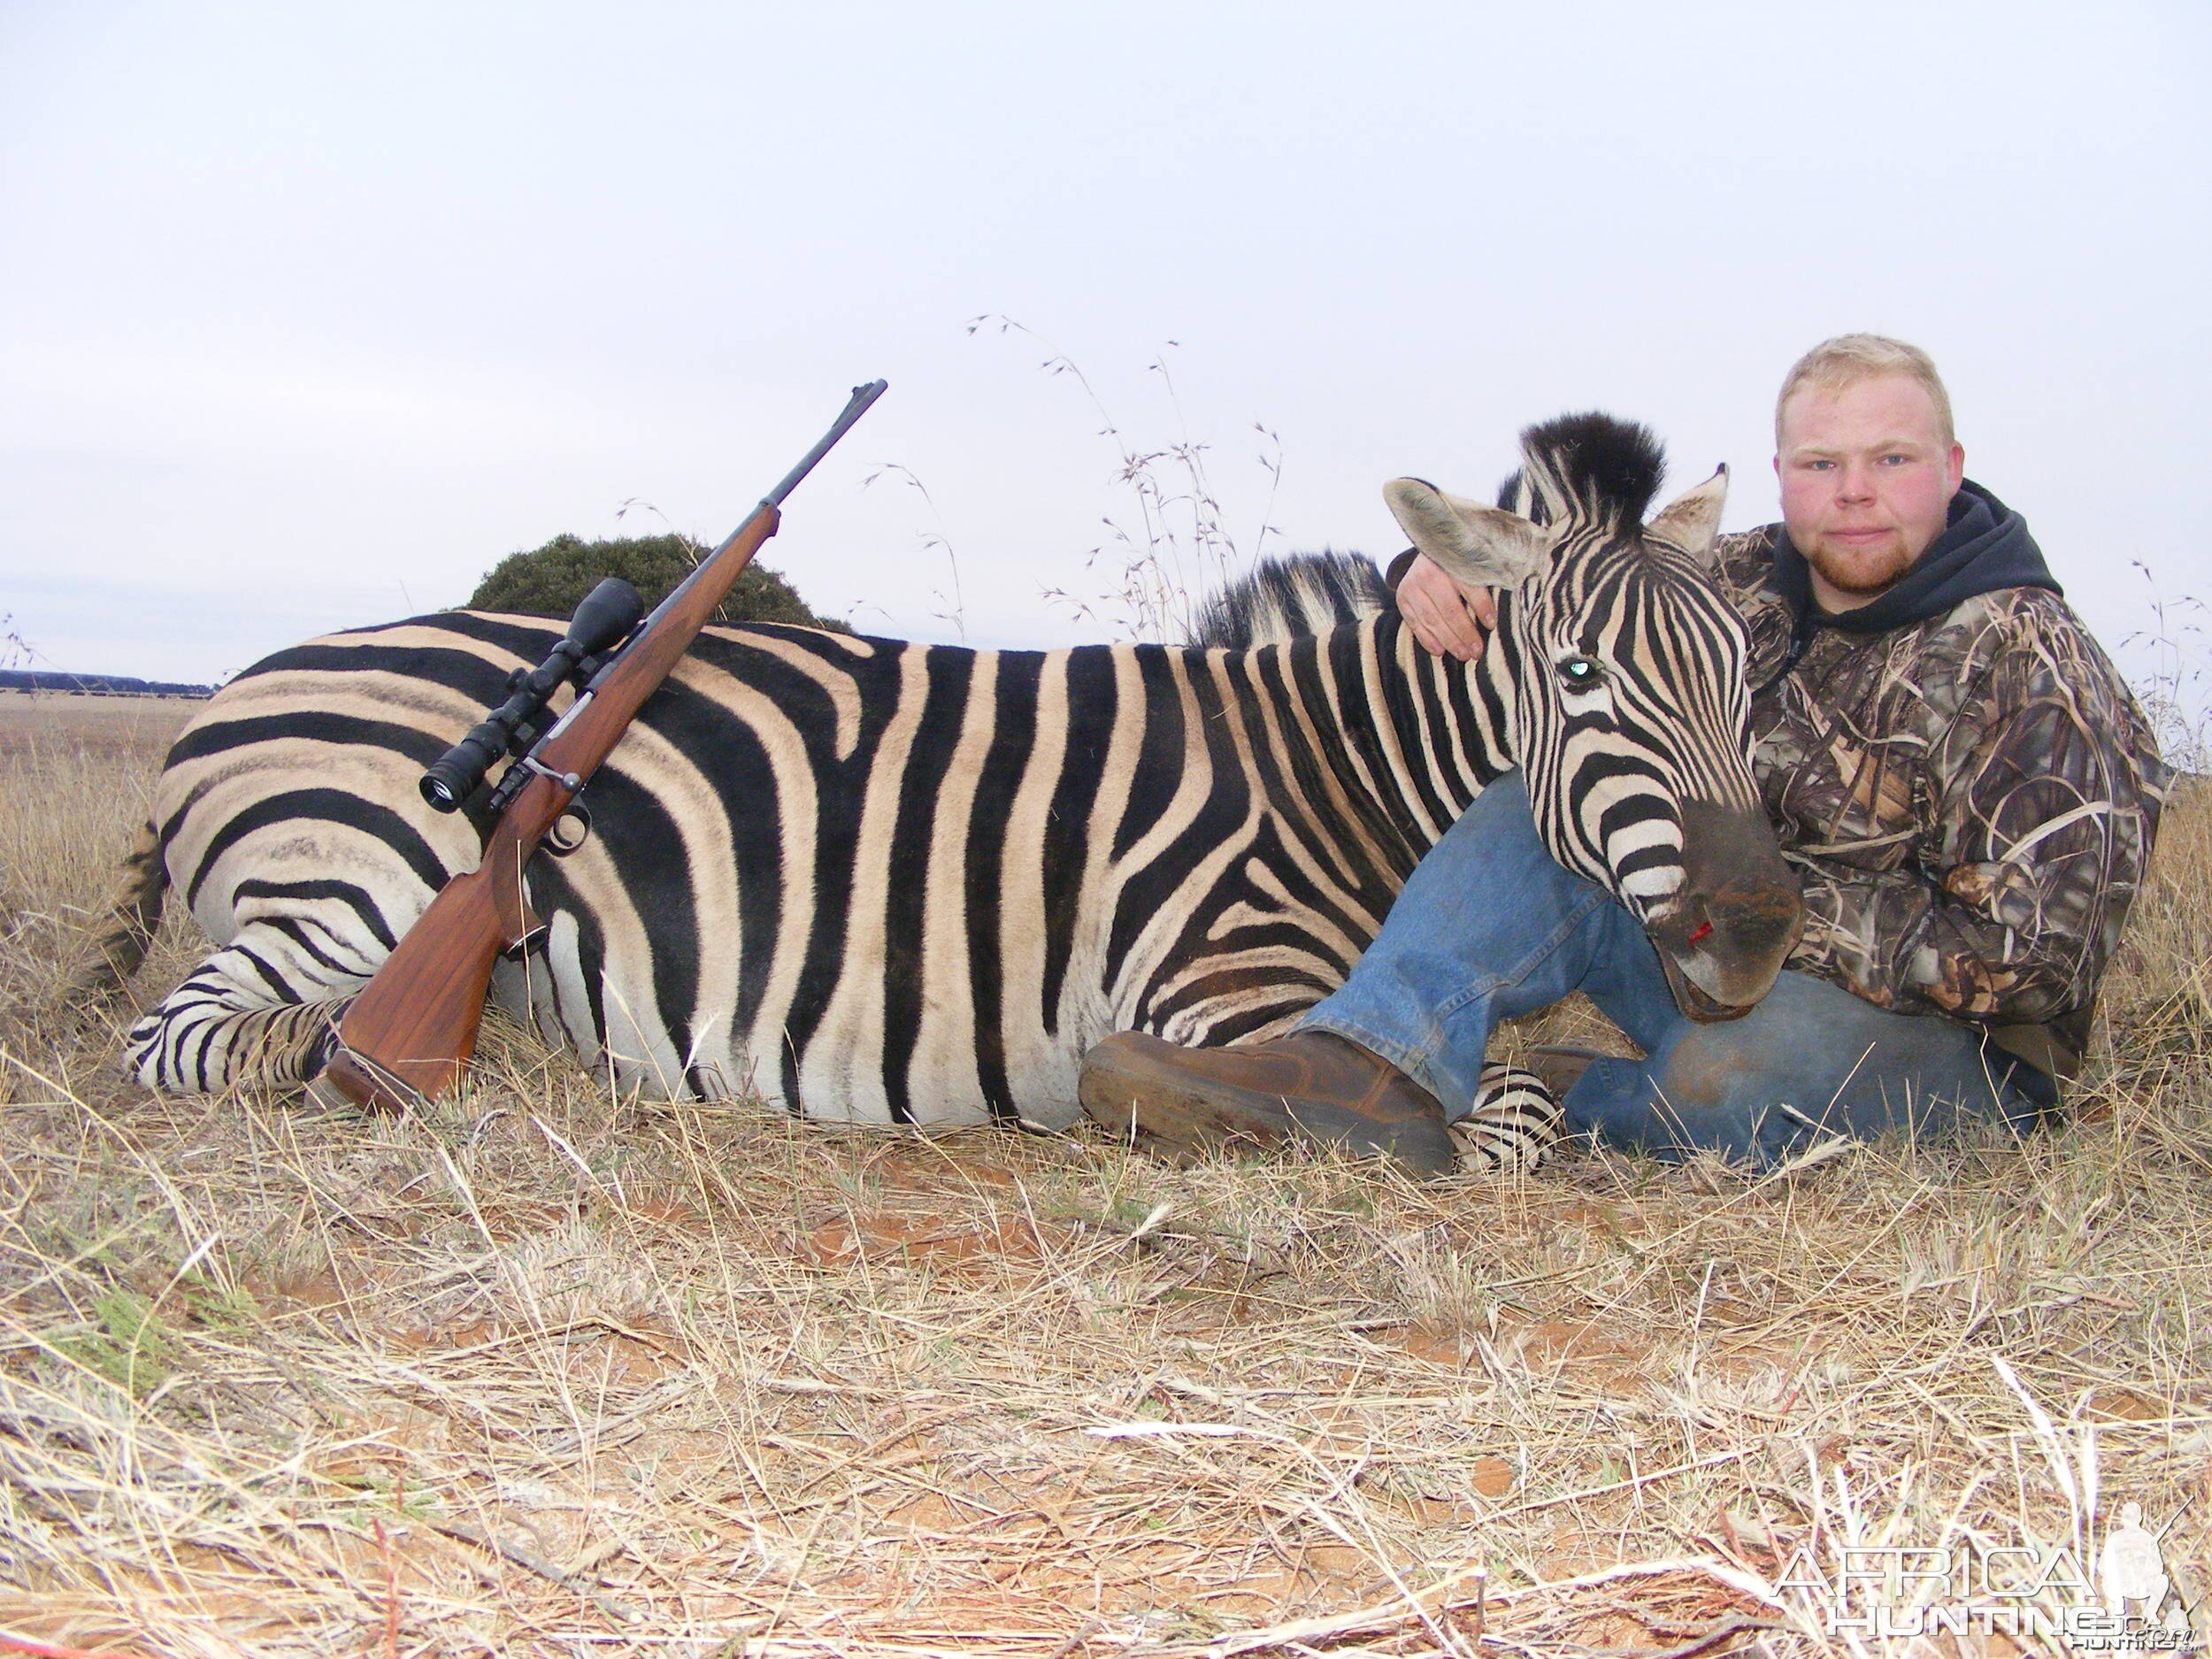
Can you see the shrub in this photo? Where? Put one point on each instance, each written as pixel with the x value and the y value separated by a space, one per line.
pixel 552 580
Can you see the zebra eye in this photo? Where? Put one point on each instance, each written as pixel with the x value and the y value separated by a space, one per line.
pixel 1578 673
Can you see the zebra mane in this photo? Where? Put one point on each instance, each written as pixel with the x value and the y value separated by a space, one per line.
pixel 1288 596
pixel 1592 467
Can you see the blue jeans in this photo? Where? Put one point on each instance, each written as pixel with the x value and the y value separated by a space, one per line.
pixel 1491 927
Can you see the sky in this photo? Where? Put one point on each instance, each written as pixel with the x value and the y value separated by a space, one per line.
pixel 310 314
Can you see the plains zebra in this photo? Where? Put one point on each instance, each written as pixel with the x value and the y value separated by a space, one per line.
pixel 890 882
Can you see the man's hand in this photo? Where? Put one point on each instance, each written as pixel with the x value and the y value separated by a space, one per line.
pixel 1449 618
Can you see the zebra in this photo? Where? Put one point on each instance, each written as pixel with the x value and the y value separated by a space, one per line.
pixel 886 882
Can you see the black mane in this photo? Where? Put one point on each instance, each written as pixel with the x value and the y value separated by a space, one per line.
pixel 1289 597
pixel 1593 465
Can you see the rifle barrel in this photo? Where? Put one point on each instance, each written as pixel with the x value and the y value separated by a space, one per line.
pixel 862 395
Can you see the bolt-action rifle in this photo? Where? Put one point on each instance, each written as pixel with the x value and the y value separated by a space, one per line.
pixel 406 1036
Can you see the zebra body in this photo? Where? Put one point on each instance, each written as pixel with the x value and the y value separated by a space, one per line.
pixel 873 880
pixel 886 882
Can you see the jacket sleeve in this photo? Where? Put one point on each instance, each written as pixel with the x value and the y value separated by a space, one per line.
pixel 2039 803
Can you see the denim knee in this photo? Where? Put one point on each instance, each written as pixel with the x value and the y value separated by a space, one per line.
pixel 1813 1060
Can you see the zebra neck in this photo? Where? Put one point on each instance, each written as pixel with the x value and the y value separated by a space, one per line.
pixel 1417 736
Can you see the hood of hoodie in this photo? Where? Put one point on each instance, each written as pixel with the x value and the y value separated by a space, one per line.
pixel 1985 546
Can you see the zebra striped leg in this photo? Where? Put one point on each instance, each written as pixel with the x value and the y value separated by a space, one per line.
pixel 250 1013
pixel 1514 1123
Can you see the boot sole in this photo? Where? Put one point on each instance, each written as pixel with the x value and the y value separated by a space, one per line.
pixel 1161 1110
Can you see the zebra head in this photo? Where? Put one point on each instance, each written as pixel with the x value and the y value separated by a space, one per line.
pixel 1622 668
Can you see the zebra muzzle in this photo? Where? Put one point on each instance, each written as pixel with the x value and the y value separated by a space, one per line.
pixel 1738 912
pixel 1722 956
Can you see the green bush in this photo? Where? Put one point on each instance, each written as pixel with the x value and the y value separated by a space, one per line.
pixel 552 580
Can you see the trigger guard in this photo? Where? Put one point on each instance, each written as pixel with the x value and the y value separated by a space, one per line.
pixel 569 831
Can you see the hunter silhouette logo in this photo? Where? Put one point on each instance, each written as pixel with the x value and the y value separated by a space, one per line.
pixel 2130 1567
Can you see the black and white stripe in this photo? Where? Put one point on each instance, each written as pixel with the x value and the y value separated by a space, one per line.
pixel 1513 1123
pixel 887 882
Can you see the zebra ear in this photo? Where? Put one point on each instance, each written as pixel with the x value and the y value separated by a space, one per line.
pixel 1484 546
pixel 1692 519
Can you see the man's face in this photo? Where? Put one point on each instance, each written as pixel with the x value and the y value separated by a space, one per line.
pixel 1867 482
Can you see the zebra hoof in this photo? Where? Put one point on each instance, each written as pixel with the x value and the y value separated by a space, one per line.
pixel 1516 1120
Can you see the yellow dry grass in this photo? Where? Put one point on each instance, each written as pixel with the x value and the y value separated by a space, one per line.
pixel 546 1371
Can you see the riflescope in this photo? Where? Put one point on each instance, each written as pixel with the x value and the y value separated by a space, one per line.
pixel 602 622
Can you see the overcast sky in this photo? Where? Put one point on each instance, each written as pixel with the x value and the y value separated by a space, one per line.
pixel 309 314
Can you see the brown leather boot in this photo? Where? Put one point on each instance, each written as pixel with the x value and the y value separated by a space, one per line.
pixel 1310 1085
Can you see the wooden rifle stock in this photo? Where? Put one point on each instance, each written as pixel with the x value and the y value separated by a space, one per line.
pixel 407 1036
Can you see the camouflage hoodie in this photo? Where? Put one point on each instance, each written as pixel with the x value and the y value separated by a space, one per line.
pixel 1959 774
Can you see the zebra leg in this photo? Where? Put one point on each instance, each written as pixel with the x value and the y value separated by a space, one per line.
pixel 229 1021
pixel 260 1010
pixel 1514 1121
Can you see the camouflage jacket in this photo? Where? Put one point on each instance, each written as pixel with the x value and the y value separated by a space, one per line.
pixel 1970 799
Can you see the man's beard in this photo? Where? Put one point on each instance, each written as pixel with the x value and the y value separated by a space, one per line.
pixel 1863 572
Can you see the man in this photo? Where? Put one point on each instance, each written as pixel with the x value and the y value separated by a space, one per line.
pixel 1954 769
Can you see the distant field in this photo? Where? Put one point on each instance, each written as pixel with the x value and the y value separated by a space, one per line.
pixel 549 1371
pixel 138 726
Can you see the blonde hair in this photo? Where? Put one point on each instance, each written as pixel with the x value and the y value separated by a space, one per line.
pixel 1835 364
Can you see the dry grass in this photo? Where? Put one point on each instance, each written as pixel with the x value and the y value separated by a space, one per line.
pixel 546 1372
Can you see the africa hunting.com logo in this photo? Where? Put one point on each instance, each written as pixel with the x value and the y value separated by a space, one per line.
pixel 2131 1603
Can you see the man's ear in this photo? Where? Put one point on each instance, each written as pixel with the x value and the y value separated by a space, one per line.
pixel 1483 547
pixel 1692 519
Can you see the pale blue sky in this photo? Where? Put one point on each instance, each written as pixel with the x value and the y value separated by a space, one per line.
pixel 309 314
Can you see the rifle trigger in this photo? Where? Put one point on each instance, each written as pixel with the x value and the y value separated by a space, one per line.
pixel 569 831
